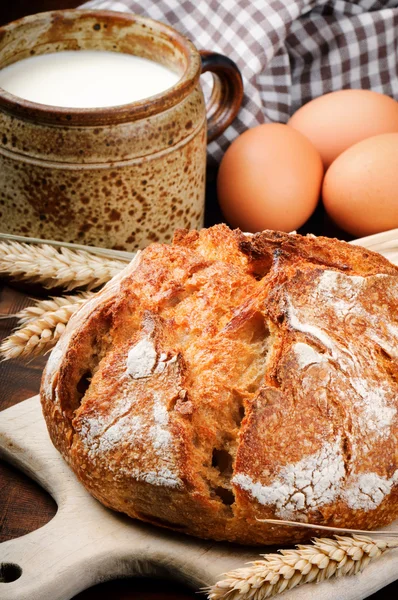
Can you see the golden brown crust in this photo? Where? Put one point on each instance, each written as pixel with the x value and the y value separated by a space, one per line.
pixel 228 378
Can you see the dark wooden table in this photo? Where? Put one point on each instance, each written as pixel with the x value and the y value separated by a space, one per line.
pixel 25 506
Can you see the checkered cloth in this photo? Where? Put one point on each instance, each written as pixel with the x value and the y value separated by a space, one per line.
pixel 289 51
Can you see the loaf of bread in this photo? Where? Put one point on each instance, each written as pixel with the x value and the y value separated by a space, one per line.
pixel 228 378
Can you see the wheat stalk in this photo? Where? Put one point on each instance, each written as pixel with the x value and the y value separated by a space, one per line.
pixel 45 308
pixel 383 532
pixel 276 573
pixel 56 266
pixel 42 325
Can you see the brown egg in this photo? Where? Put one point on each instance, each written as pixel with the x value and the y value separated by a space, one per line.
pixel 360 189
pixel 338 120
pixel 269 178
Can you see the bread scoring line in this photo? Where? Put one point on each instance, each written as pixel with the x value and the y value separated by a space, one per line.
pixel 100 437
pixel 376 416
pixel 319 479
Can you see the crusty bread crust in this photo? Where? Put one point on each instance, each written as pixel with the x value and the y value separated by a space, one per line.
pixel 228 378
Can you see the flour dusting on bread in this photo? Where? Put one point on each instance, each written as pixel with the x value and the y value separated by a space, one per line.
pixel 307 355
pixel 160 434
pixel 163 477
pixel 335 300
pixel 368 490
pixel 141 359
pixel 164 363
pixel 102 435
pixel 309 328
pixel 125 430
pixel 310 483
pixel 376 403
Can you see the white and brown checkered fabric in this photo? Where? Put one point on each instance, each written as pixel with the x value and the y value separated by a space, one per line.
pixel 289 51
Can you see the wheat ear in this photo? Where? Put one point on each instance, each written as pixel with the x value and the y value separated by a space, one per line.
pixel 43 308
pixel 323 559
pixel 42 325
pixel 55 266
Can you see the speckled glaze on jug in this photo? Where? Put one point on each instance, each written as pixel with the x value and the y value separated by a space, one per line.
pixel 119 177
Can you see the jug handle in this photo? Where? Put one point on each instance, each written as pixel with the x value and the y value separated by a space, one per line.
pixel 227 93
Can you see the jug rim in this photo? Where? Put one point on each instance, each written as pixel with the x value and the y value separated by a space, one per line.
pixel 56 115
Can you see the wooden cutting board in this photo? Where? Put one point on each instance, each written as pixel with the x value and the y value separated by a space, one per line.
pixel 85 543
